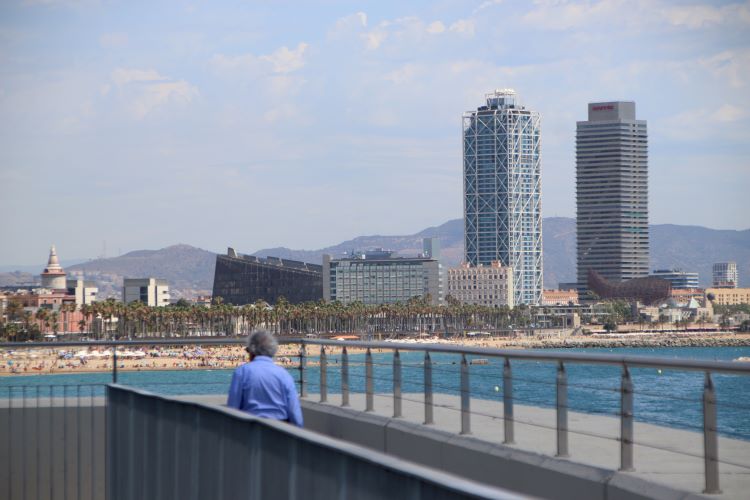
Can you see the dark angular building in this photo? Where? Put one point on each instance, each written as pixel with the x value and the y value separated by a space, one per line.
pixel 649 290
pixel 245 279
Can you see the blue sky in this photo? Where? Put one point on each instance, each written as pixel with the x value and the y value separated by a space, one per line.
pixel 260 124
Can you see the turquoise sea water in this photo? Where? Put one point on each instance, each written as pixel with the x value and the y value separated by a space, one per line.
pixel 671 398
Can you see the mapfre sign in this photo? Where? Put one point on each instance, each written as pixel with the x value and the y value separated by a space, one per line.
pixel 603 107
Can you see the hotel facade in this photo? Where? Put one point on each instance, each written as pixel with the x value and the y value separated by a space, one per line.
pixel 503 191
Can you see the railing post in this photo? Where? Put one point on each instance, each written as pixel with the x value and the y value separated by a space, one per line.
pixel 302 363
pixel 465 397
pixel 508 402
pixel 344 377
pixel 626 421
pixel 562 411
pixel 369 406
pixel 114 364
pixel 710 440
pixel 396 384
pixel 428 388
pixel 323 375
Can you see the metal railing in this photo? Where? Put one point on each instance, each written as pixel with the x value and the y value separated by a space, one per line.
pixel 161 447
pixel 374 382
pixel 626 438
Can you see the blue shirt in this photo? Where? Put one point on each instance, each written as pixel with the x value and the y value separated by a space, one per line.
pixel 265 389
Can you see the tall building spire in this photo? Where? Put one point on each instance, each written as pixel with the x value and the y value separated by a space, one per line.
pixel 53 264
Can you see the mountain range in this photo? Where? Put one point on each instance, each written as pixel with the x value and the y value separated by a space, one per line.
pixel 189 270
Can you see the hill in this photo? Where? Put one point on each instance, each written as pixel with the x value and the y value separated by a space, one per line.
pixel 190 270
pixel 690 248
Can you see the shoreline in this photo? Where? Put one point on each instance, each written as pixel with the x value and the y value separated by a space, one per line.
pixel 50 361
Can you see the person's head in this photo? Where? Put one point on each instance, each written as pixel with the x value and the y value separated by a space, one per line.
pixel 261 343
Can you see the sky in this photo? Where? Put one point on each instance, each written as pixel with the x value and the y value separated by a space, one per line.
pixel 137 124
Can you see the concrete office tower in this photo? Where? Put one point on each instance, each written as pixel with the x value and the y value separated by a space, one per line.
pixel 612 194
pixel 503 191
pixel 725 275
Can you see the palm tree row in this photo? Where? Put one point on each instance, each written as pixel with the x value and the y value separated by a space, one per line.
pixel 112 319
pixel 115 319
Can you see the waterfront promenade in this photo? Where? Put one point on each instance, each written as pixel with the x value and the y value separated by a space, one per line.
pixel 663 456
pixel 669 460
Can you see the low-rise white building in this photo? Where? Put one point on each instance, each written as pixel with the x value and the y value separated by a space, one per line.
pixel 482 285
pixel 151 291
pixel 85 291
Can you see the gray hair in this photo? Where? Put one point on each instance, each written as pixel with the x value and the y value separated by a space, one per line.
pixel 262 343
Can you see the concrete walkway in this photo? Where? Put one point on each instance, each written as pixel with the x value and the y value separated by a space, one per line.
pixel 678 463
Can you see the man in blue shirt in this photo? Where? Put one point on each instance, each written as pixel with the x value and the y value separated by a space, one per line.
pixel 261 387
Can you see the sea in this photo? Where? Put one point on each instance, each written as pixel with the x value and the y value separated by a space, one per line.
pixel 663 397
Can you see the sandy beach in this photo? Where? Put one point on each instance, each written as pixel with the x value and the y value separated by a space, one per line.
pixel 30 361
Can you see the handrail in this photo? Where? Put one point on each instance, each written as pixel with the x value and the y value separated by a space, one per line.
pixel 517 354
pixel 125 404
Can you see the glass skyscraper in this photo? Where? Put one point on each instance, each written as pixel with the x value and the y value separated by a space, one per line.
pixel 503 191
pixel 612 194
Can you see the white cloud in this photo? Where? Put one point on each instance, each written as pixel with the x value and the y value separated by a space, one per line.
pixel 404 74
pixel 374 39
pixel 637 14
pixel 699 16
pixel 281 61
pixel 728 113
pixel 146 90
pixel 233 63
pixel 487 4
pixel 463 27
pixel 347 24
pixel 563 15
pixel 436 28
pixel 411 31
pixel 284 60
pixel 122 76
pixel 730 66
pixel 702 122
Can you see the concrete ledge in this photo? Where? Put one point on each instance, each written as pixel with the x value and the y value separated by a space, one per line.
pixel 490 463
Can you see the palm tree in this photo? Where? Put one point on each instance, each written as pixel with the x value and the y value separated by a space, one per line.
pixel 42 316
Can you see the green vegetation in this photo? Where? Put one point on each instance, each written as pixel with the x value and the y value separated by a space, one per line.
pixel 733 309
pixel 114 319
